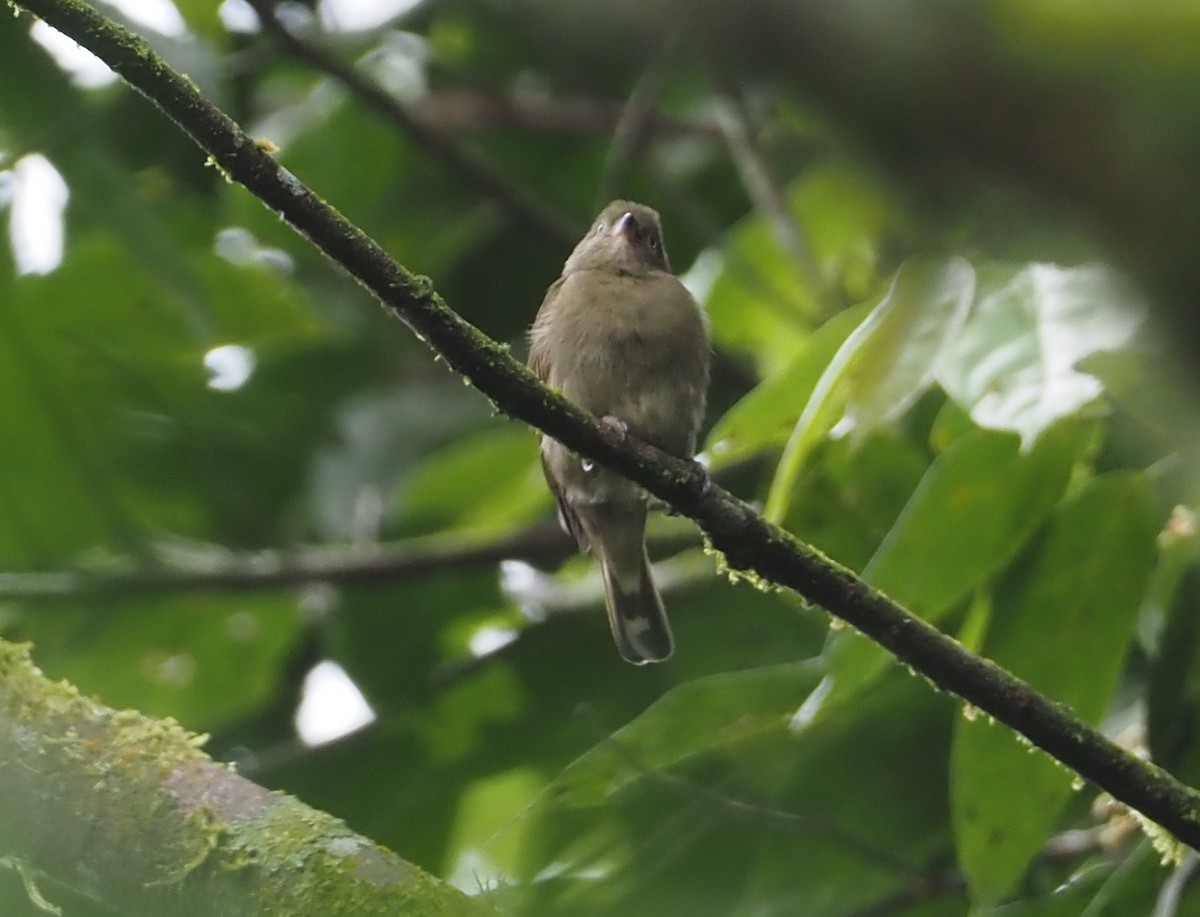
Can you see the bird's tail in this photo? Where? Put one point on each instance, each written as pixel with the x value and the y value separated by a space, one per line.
pixel 635 610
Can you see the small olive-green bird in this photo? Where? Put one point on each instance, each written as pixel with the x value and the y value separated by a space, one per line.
pixel 620 336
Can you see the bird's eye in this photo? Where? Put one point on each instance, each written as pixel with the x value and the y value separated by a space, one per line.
pixel 656 244
pixel 600 227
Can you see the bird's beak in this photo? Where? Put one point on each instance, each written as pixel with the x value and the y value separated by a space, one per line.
pixel 627 227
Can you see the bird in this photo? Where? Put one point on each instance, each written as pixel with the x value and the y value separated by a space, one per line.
pixel 619 335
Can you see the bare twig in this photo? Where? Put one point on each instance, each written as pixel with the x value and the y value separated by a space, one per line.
pixel 472 111
pixel 187 566
pixel 776 819
pixel 634 123
pixel 764 187
pixel 556 229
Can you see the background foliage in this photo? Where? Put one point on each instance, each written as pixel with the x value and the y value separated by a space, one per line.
pixel 963 403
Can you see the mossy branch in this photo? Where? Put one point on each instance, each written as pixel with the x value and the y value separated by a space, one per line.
pixel 128 811
pixel 748 542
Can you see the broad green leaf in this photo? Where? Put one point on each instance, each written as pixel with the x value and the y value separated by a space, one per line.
pixel 763 301
pixel 883 367
pixel 1062 621
pixel 1015 364
pixel 763 418
pixel 977 506
pixel 848 498
pixel 602 815
pixel 702 715
pixel 103 371
pixel 383 437
pixel 1102 887
pixel 872 787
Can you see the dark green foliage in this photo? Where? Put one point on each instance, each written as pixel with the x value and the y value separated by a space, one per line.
pixel 994 443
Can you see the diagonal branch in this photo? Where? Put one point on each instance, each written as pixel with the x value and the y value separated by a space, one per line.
pixel 748 542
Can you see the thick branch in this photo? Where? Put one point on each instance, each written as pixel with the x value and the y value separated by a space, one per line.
pixel 168 830
pixel 747 540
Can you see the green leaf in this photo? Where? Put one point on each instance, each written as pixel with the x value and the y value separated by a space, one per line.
pixel 205 660
pixel 1063 622
pixel 1015 364
pixel 762 300
pixel 483 484
pixel 883 367
pixel 976 507
pixel 714 712
pixel 763 417
pixel 863 841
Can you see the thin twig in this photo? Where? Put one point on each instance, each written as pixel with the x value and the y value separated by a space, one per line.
pixel 776 819
pixel 634 124
pixel 188 566
pixel 536 216
pixel 192 567
pixel 764 188
pixel 1171 894
pixel 473 110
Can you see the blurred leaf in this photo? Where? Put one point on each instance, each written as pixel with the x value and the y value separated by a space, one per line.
pixel 484 484
pixel 668 828
pixel 383 437
pixel 1014 367
pixel 205 660
pixel 1063 622
pixel 883 367
pixel 706 714
pixel 727 714
pixel 976 507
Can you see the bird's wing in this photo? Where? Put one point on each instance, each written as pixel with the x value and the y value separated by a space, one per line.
pixel 539 351
pixel 539 363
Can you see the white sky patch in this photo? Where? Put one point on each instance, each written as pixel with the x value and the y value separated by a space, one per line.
pixel 237 245
pixel 238 16
pixel 487 640
pixel 35 224
pixel 87 70
pixel 161 15
pixel 331 705
pixel 229 366
pixel 702 275
pixel 360 15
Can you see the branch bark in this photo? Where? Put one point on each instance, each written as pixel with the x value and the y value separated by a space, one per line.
pixel 198 567
pixel 129 812
pixel 748 542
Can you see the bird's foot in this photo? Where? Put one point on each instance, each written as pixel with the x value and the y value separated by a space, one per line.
pixel 613 430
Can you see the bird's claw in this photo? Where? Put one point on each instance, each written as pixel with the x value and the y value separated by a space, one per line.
pixel 613 430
